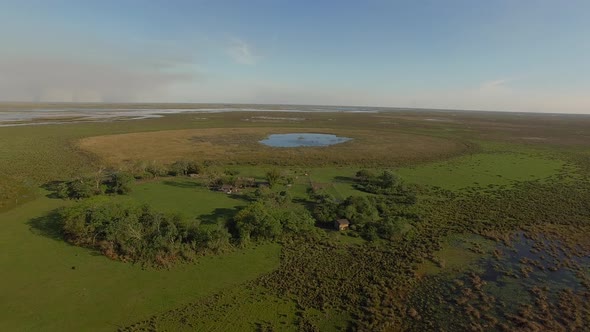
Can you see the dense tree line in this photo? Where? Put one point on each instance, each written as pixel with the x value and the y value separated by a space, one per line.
pixel 137 233
pixel 150 170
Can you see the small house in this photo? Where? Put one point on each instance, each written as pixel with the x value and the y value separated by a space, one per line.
pixel 341 224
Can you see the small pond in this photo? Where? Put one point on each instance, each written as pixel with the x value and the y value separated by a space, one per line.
pixel 302 139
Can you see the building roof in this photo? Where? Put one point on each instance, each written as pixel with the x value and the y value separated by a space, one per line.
pixel 343 221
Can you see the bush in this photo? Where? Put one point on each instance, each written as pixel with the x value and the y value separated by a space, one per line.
pixel 184 167
pixel 156 170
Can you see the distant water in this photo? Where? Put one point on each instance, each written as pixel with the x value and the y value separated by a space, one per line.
pixel 69 115
pixel 302 139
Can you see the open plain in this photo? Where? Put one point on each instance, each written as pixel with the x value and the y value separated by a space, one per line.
pixel 497 207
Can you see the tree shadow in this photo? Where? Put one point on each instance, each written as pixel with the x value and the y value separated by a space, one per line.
pixel 182 184
pixel 346 179
pixel 308 204
pixel 248 197
pixel 48 225
pixel 218 214
pixel 52 187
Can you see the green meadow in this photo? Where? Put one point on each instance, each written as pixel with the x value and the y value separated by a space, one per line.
pixel 51 285
pixel 482 170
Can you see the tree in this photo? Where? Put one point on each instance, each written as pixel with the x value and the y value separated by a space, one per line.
pixel 296 220
pixel 219 239
pixel 194 168
pixel 99 178
pixel 80 188
pixel 255 221
pixel 326 209
pixel 388 180
pixel 364 175
pixel 63 190
pixel 273 176
pixel 156 170
pixel 179 168
pixel 120 183
pixel 360 210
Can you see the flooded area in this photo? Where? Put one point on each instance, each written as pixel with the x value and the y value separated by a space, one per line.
pixel 510 283
pixel 60 116
pixel 44 116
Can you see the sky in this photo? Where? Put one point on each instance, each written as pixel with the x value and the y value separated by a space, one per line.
pixel 514 55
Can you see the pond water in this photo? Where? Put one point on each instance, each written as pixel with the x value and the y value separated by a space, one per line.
pixel 302 139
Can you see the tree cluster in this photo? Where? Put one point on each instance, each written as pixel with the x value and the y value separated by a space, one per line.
pixel 386 183
pixel 150 170
pixel 136 233
pixel 230 178
pixel 269 217
pixel 113 183
pixel 275 176
pixel 184 167
pixel 371 217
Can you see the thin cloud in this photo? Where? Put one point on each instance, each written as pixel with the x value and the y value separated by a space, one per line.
pixel 56 79
pixel 242 53
pixel 499 85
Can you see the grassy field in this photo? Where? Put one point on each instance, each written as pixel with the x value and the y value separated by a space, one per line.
pixel 482 170
pixel 33 155
pixel 240 145
pixel 52 286
pixel 243 308
pixel 188 198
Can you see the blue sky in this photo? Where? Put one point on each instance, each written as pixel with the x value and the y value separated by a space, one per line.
pixel 489 55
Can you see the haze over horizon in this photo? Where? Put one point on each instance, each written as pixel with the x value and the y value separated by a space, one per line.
pixel 529 56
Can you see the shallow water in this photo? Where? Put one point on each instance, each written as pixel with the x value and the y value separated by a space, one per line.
pixel 39 116
pixel 527 275
pixel 548 268
pixel 303 139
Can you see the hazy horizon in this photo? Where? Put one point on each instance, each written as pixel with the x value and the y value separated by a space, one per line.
pixel 526 56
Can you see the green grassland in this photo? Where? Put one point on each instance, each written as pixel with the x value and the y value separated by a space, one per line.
pixel 482 170
pixel 50 285
pixel 33 155
pixel 188 197
pixel 243 308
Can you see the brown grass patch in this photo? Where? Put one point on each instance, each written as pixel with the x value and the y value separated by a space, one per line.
pixel 240 145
